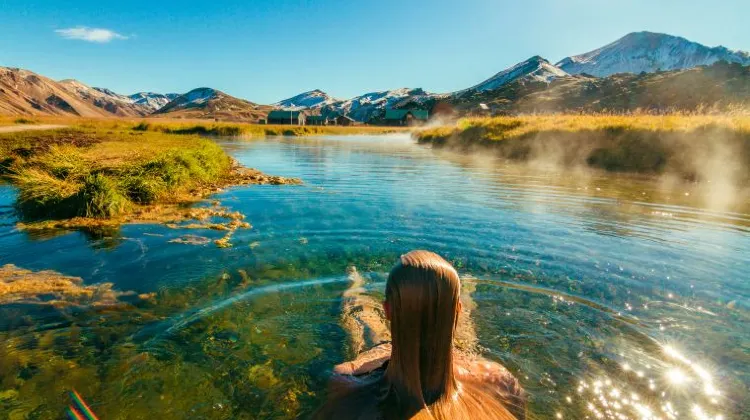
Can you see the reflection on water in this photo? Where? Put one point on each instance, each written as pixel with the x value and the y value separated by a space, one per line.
pixel 609 296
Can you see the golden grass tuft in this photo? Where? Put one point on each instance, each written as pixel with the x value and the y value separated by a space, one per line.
pixel 628 143
pixel 504 128
pixel 205 127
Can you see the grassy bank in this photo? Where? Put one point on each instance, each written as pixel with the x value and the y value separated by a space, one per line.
pixel 256 130
pixel 693 147
pixel 203 127
pixel 85 176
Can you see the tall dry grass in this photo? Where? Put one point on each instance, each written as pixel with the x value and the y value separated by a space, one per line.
pixel 689 145
pixel 204 127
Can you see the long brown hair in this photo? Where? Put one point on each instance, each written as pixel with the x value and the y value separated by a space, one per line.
pixel 422 295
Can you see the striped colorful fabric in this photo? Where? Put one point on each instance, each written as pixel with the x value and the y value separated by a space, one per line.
pixel 73 414
pixel 80 408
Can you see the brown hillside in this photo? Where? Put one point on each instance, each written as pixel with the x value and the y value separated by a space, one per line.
pixel 23 92
pixel 719 87
pixel 207 103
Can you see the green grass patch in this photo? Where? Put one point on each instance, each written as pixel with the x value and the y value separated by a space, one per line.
pixel 96 173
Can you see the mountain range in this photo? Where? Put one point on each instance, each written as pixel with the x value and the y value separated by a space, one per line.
pixel 307 100
pixel 640 70
pixel 211 103
pixel 151 100
pixel 648 52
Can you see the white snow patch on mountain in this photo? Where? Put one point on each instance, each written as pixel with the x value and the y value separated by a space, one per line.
pixel 151 100
pixel 365 107
pixel 648 52
pixel 114 96
pixel 199 96
pixel 196 98
pixel 307 100
pixel 534 69
pixel 85 91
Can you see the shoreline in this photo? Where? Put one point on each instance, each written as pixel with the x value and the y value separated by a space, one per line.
pixel 694 148
pixel 201 126
pixel 96 180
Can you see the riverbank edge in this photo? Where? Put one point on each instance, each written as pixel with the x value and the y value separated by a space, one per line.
pixel 128 177
pixel 175 214
pixel 203 127
pixel 689 147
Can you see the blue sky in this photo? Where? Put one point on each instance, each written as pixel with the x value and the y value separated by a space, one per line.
pixel 265 51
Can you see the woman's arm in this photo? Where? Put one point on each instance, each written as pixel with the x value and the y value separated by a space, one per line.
pixel 366 362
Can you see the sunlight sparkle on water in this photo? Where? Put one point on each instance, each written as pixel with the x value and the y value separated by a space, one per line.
pixel 674 392
pixel 677 377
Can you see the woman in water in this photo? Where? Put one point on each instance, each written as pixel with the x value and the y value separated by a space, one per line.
pixel 419 375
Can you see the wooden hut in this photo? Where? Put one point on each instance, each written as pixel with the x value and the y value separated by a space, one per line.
pixel 317 120
pixel 343 120
pixel 405 117
pixel 287 117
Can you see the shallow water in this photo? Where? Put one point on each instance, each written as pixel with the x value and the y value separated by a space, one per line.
pixel 611 296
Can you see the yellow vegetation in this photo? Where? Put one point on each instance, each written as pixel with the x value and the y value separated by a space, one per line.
pixel 504 128
pixel 693 147
pixel 198 126
pixel 48 287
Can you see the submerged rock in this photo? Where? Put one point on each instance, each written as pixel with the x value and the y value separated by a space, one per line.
pixel 245 176
pixel 191 240
pixel 21 286
pixel 227 335
pixel 262 376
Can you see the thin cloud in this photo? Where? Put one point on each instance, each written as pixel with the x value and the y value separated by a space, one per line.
pixel 84 33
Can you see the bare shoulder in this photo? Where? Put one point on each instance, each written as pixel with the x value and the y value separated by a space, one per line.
pixel 495 378
pixel 480 370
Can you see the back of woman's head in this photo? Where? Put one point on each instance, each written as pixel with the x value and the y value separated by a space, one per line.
pixel 422 303
pixel 422 298
pixel 422 295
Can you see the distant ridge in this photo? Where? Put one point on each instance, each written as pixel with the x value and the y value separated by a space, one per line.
pixel 23 92
pixel 648 52
pixel 536 69
pixel 153 101
pixel 307 100
pixel 719 87
pixel 113 103
pixel 373 105
pixel 589 82
pixel 206 102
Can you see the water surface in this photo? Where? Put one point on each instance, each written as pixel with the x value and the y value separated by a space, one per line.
pixel 608 296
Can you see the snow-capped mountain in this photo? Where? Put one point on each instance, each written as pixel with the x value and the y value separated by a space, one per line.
pixel 648 52
pixel 114 96
pixel 360 108
pixel 211 103
pixel 535 69
pixel 151 100
pixel 84 90
pixel 365 107
pixel 308 100
pixel 196 98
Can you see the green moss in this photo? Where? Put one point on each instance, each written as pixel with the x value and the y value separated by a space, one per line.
pixel 102 174
pixel 100 197
pixel 142 127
